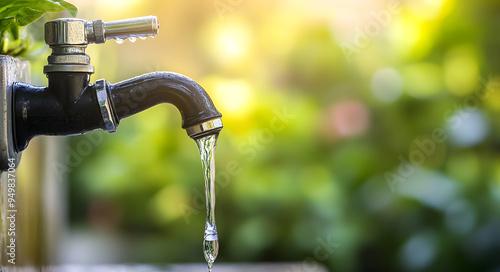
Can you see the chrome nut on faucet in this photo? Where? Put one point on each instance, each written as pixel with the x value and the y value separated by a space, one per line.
pixel 70 105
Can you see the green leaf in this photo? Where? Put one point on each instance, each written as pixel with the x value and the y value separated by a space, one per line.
pixel 15 43
pixel 26 16
pixel 5 45
pixel 28 11
pixel 5 24
pixel 69 7
pixel 14 31
pixel 17 13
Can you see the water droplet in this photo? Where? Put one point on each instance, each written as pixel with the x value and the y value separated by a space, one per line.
pixel 132 39
pixel 142 37
pixel 210 252
pixel 119 41
pixel 210 244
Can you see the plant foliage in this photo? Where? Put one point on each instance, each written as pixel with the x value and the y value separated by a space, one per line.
pixel 15 14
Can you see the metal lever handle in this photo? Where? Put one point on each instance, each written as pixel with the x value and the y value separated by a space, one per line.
pixel 68 38
pixel 78 32
pixel 99 31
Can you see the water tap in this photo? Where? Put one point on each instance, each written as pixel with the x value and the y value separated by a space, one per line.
pixel 71 105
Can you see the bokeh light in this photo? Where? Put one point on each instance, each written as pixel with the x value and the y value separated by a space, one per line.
pixel 467 127
pixel 461 70
pixel 419 251
pixel 423 80
pixel 346 118
pixel 387 85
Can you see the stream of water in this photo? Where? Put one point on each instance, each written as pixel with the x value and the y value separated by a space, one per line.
pixel 206 145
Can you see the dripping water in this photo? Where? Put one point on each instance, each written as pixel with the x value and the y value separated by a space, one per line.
pixel 206 145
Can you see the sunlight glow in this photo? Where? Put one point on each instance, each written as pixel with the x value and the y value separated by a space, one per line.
pixel 427 9
pixel 118 5
pixel 234 97
pixel 231 43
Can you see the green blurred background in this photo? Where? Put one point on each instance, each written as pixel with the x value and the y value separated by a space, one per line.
pixel 357 134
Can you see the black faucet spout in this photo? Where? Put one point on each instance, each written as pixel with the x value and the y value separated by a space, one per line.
pixel 199 115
